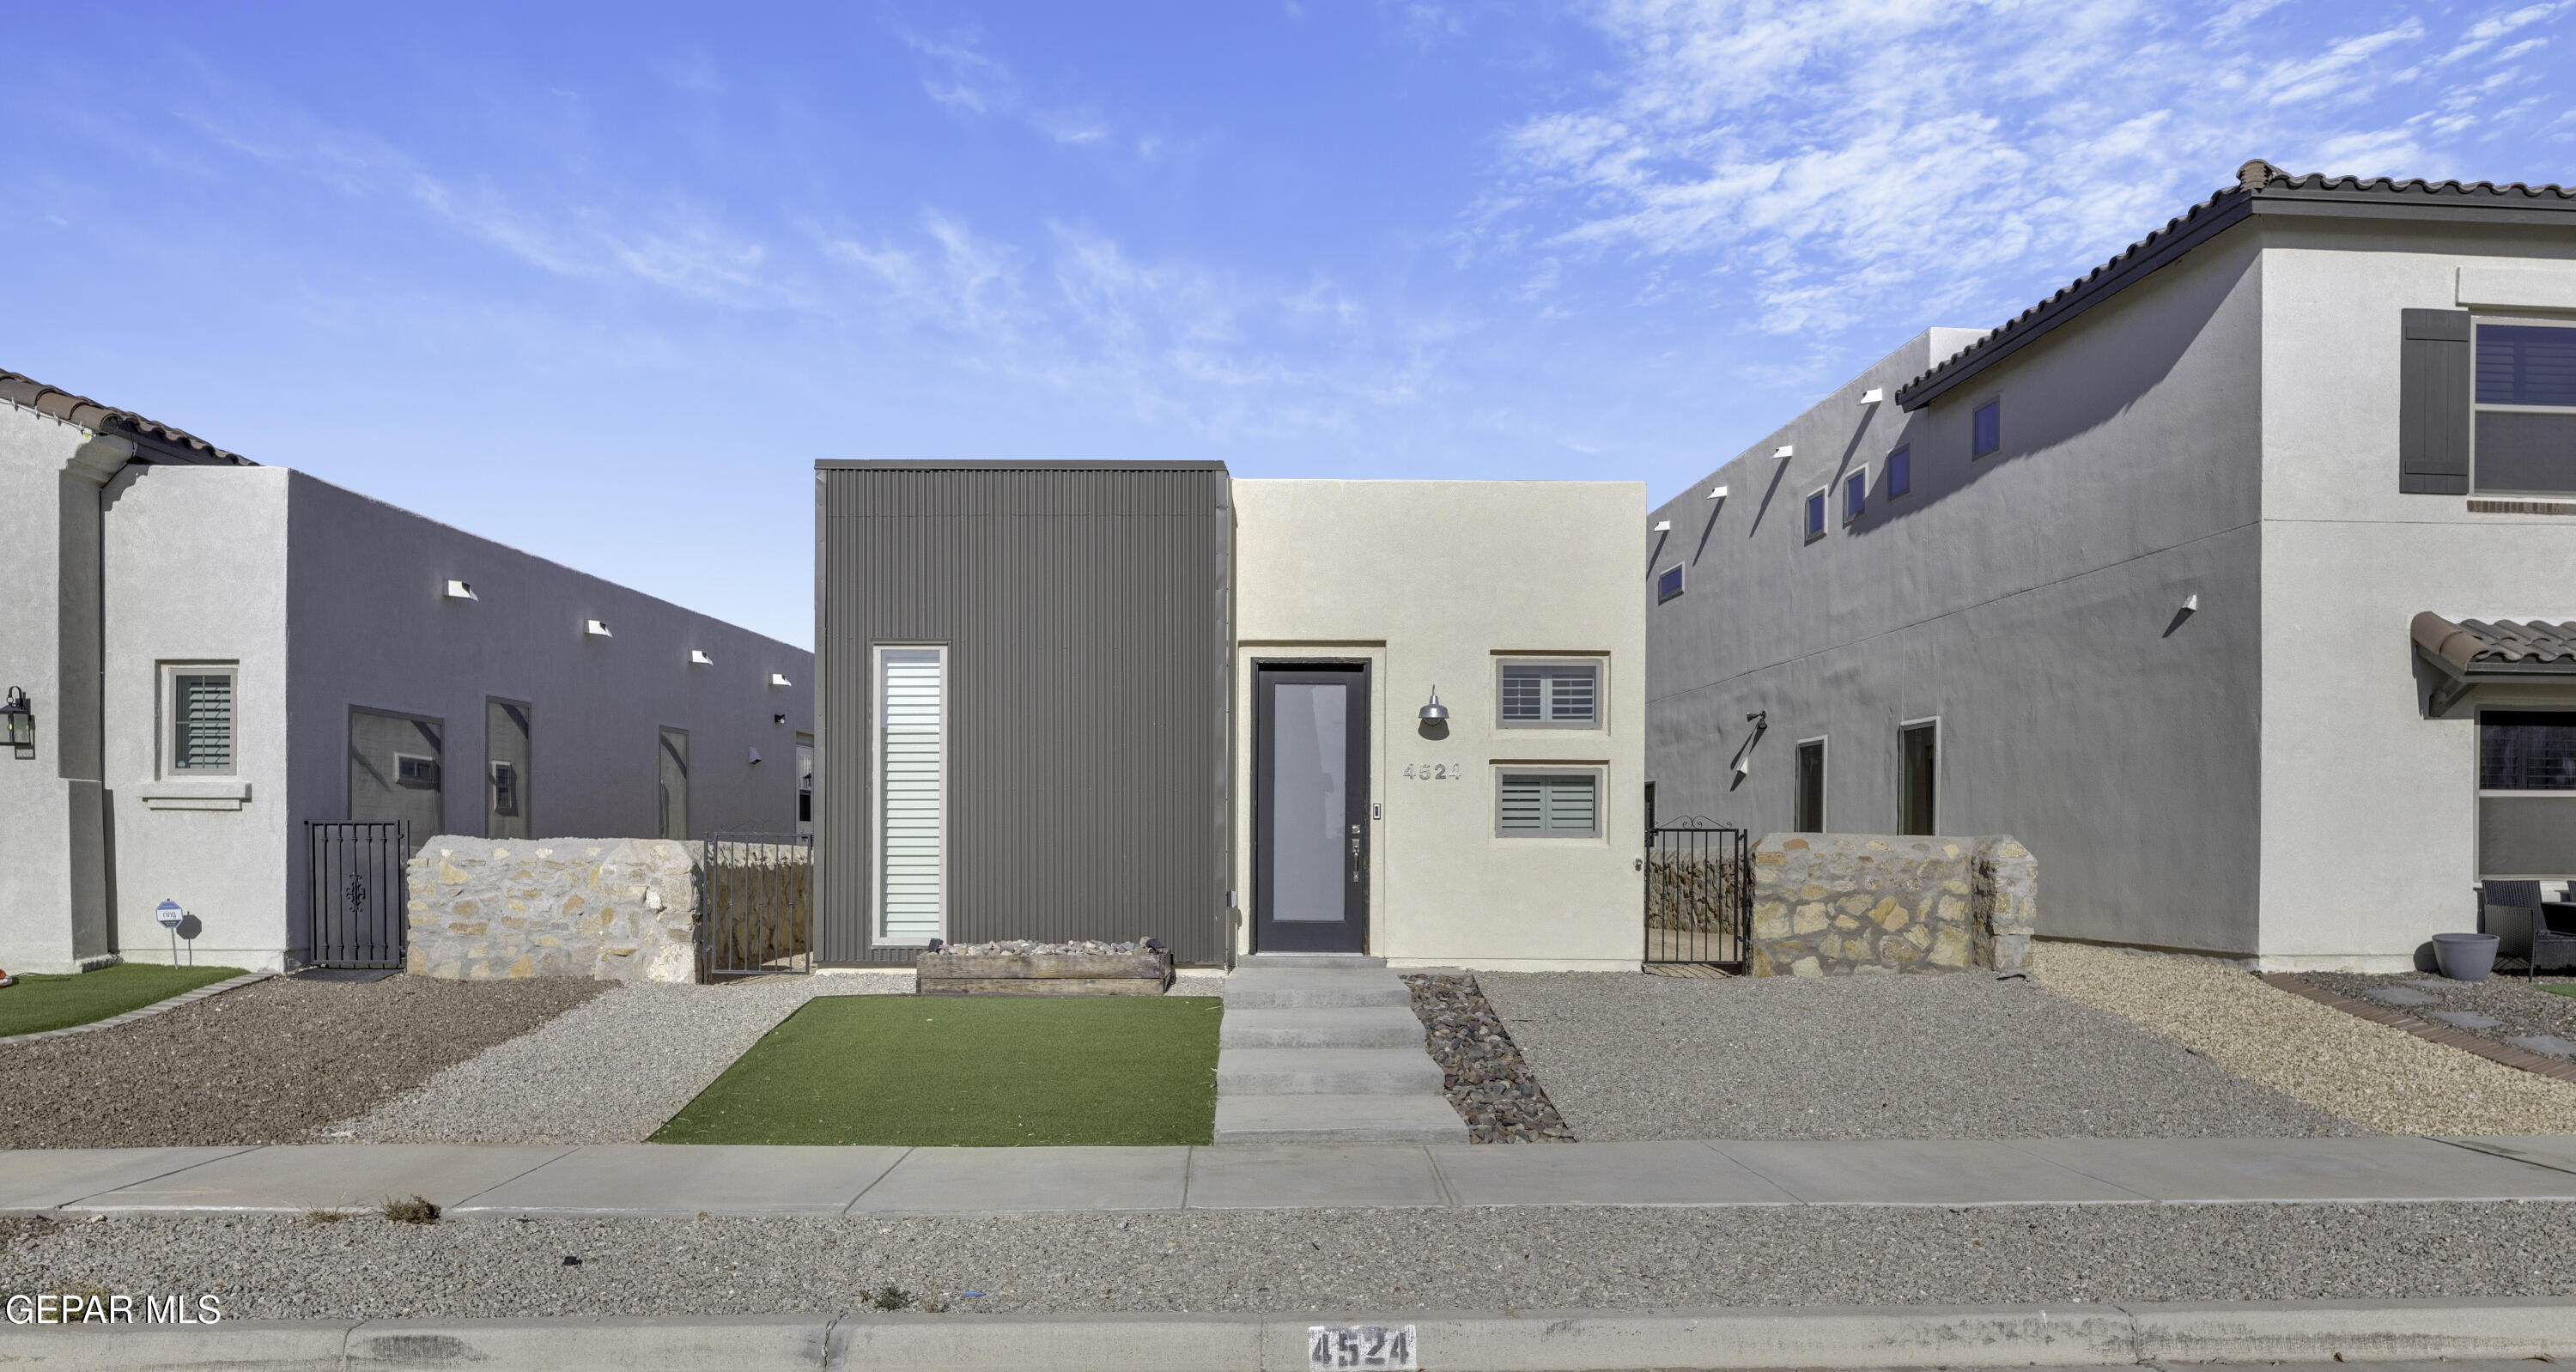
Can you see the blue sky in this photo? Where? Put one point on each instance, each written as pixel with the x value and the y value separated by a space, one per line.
pixel 602 282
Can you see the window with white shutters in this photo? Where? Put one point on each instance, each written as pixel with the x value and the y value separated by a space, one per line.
pixel 912 814
pixel 1551 804
pixel 1549 695
pixel 201 713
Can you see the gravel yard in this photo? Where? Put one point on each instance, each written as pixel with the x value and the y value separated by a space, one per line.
pixel 1628 1057
pixel 2367 1073
pixel 286 1268
pixel 2507 1010
pixel 610 1072
pixel 269 1063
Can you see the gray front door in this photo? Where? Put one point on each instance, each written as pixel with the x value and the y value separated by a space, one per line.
pixel 1310 796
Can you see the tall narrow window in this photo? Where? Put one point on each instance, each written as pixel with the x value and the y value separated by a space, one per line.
pixel 912 783
pixel 1900 472
pixel 201 715
pixel 1549 695
pixel 805 785
pixel 1811 788
pixel 673 790
pixel 1555 804
pixel 1855 495
pixel 1669 584
pixel 505 770
pixel 1989 426
pixel 1918 787
pixel 1815 514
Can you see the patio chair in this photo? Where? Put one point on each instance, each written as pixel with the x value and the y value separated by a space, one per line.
pixel 2527 927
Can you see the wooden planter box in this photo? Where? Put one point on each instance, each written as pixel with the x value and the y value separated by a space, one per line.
pixel 1043 974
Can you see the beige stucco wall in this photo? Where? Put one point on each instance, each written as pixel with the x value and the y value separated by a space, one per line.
pixel 1431 581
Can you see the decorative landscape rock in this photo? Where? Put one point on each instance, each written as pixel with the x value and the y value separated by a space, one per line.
pixel 1859 904
pixel 1019 967
pixel 611 909
pixel 1486 1081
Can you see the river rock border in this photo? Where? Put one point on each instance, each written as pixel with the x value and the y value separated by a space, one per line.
pixel 1482 1072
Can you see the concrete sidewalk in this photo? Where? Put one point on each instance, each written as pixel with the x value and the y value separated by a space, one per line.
pixel 675 1180
pixel 2321 1333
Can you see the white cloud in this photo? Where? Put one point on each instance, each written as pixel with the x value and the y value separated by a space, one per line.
pixel 1895 163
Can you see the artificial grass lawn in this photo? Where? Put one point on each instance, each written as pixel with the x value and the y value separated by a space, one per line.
pixel 37 1003
pixel 970 1071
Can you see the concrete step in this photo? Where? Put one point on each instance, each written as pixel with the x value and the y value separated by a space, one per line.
pixel 1305 989
pixel 1332 1026
pixel 1338 1119
pixel 1327 961
pixel 1325 1071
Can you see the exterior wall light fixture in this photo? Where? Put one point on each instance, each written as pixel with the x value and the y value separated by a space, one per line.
pixel 1662 526
pixel 778 719
pixel 596 628
pixel 18 724
pixel 698 658
pixel 1874 395
pixel 460 590
pixel 1435 712
pixel 755 757
pixel 779 679
pixel 1717 493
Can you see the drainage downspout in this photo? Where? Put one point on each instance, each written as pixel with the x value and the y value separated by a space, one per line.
pixel 80 746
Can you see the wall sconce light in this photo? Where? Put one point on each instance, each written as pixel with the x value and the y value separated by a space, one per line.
pixel 779 679
pixel 1717 493
pixel 698 658
pixel 755 757
pixel 2191 603
pixel 460 590
pixel 1662 526
pixel 1785 450
pixel 778 719
pixel 1874 395
pixel 1435 712
pixel 596 628
pixel 1761 722
pixel 18 724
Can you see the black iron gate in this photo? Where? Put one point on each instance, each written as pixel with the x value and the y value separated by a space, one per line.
pixel 354 893
pixel 1699 894
pixel 759 913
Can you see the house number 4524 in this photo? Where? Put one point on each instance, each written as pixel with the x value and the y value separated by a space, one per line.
pixel 1434 771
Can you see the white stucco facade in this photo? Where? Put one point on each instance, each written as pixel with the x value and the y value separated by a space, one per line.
pixel 319 603
pixel 1433 583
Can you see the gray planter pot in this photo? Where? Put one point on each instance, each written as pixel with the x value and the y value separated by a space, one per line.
pixel 2465 957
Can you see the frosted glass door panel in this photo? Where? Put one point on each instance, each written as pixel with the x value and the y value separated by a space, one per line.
pixel 912 781
pixel 1309 791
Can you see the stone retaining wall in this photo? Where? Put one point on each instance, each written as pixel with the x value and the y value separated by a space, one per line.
pixel 612 909
pixel 1829 905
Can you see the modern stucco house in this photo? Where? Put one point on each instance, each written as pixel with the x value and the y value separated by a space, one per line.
pixel 2204 577
pixel 215 653
pixel 1115 700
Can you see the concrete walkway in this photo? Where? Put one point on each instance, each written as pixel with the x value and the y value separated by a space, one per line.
pixel 673 1180
pixel 2472 1335
pixel 1325 1048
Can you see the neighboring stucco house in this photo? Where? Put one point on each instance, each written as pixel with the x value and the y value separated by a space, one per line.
pixel 2137 578
pixel 216 653
pixel 1067 701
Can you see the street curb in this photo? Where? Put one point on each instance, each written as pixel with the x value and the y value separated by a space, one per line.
pixel 2079 1335
pixel 142 1012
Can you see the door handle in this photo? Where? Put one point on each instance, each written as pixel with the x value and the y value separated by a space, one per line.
pixel 1355 853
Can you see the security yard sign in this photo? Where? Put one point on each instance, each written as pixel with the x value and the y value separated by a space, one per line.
pixel 170 915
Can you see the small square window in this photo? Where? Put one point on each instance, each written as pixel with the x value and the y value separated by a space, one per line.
pixel 1990 428
pixel 1669 584
pixel 1900 472
pixel 1550 804
pixel 1815 514
pixel 1855 495
pixel 1548 695
pixel 201 720
pixel 416 770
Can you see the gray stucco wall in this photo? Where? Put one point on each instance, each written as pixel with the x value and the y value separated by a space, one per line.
pixel 2027 600
pixel 331 601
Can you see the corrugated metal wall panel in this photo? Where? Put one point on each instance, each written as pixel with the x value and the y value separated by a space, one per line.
pixel 1085 612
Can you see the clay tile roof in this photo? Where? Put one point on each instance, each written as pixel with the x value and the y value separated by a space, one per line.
pixel 2256 180
pixel 2525 645
pixel 182 445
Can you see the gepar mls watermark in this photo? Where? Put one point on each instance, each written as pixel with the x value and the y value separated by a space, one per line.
pixel 91 1307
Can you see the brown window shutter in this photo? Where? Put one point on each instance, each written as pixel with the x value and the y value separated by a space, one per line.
pixel 2433 403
